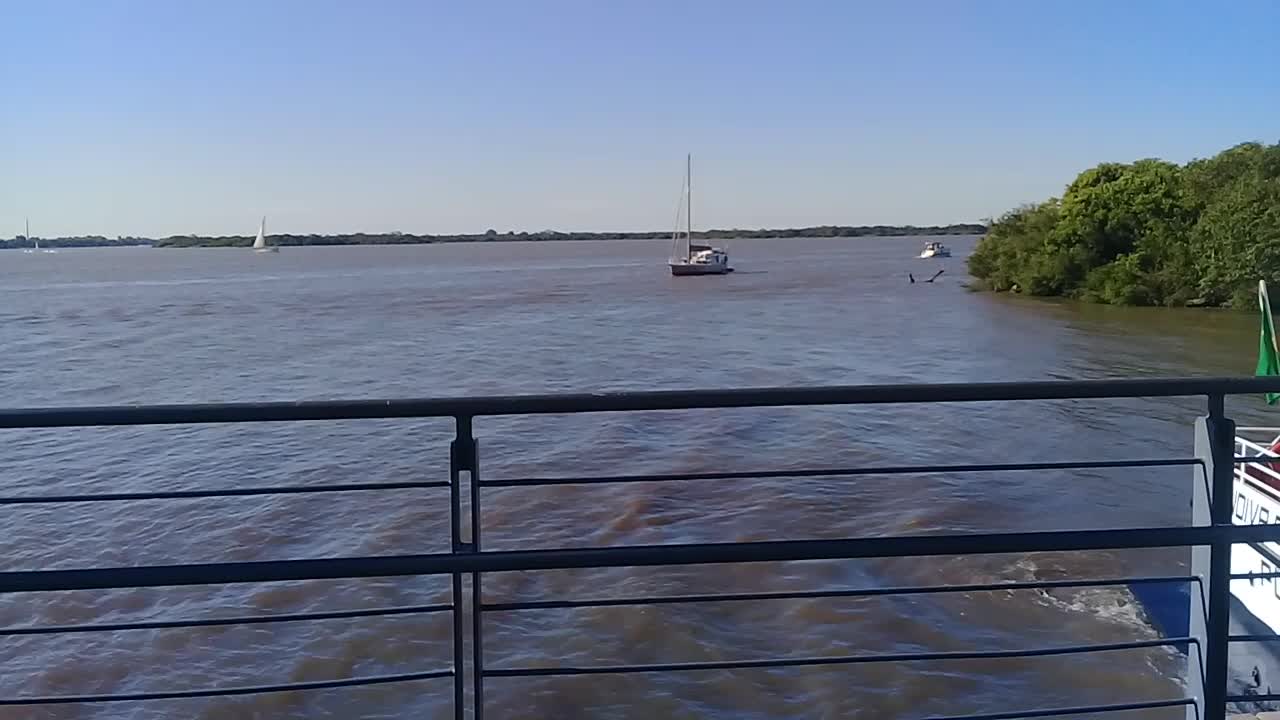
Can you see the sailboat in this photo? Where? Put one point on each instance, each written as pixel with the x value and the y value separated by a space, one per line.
pixel 260 243
pixel 687 258
pixel 37 248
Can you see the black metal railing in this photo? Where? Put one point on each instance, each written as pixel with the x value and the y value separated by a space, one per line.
pixel 1210 534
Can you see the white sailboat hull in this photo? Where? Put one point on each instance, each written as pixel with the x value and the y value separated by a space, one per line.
pixel 679 269
pixel 272 249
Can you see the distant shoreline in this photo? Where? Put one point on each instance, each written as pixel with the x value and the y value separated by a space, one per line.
pixel 292 240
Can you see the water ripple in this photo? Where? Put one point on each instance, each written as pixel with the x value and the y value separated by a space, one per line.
pixel 157 326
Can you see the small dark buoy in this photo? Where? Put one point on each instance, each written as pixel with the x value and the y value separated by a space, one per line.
pixel 912 278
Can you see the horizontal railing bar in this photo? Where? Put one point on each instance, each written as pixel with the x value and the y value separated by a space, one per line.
pixel 1260 697
pixel 231 492
pixel 809 594
pixel 1077 710
pixel 631 556
pixel 632 401
pixel 216 622
pixel 828 472
pixel 839 660
pixel 1255 576
pixel 1266 552
pixel 1253 638
pixel 223 692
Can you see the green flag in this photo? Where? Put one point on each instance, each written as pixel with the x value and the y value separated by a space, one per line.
pixel 1268 353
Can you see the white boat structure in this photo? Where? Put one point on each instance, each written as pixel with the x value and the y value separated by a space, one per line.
pixel 260 242
pixel 935 249
pixel 37 248
pixel 1256 500
pixel 686 257
pixel 1255 496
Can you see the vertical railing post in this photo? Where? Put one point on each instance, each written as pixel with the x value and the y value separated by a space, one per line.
pixel 1215 446
pixel 477 620
pixel 464 456
pixel 461 459
pixel 1198 592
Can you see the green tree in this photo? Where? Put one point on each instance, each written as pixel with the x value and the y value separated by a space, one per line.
pixel 1144 233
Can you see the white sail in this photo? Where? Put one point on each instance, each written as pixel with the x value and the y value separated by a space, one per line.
pixel 681 242
pixel 261 241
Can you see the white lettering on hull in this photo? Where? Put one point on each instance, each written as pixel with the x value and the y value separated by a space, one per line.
pixel 1260 596
pixel 1251 510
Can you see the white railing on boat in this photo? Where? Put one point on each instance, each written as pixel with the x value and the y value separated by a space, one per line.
pixel 1248 446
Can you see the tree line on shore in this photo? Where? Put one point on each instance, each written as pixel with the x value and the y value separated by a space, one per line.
pixel 1149 232
pixel 399 238
pixel 19 241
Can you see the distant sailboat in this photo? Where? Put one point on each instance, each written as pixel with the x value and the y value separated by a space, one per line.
pixel 686 257
pixel 37 248
pixel 260 243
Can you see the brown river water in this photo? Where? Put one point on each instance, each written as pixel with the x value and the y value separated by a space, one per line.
pixel 125 326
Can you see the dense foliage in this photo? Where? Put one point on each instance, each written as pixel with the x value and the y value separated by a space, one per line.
pixel 1146 233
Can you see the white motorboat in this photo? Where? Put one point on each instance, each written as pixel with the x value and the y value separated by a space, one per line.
pixel 260 243
pixel 687 258
pixel 935 249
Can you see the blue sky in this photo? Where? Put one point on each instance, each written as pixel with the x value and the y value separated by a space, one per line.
pixel 155 118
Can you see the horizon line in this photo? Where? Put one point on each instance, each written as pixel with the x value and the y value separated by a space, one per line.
pixel 495 233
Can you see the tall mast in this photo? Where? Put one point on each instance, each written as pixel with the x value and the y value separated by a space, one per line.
pixel 27 236
pixel 688 178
